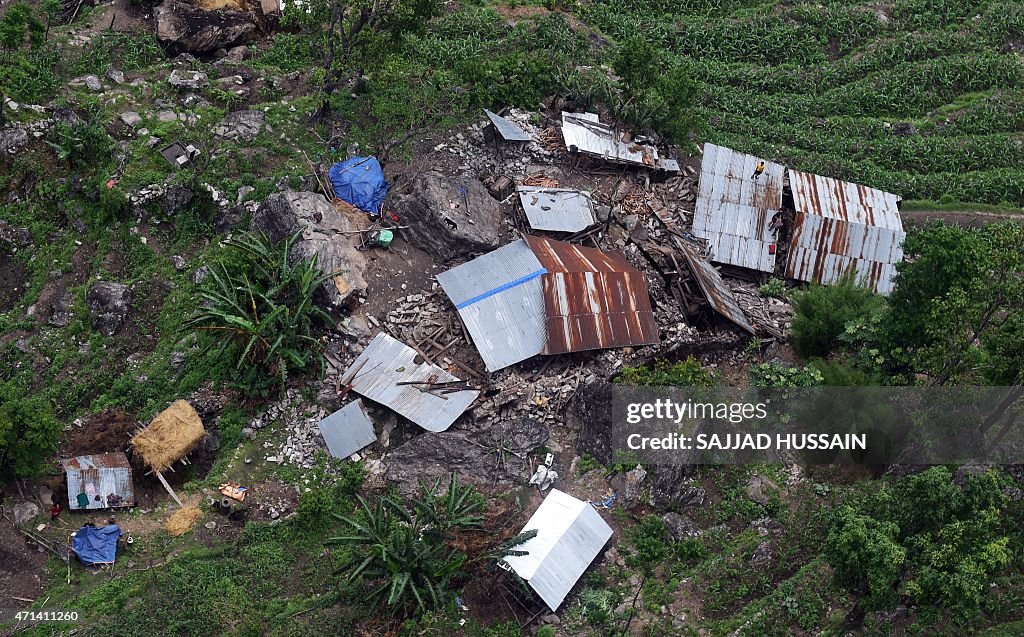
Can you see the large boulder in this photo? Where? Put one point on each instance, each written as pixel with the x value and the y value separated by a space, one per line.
pixel 187 28
pixel 471 453
pixel 448 217
pixel 327 232
pixel 108 306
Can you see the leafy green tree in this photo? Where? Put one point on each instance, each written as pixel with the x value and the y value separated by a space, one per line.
pixel 260 305
pixel 821 314
pixel 659 92
pixel 29 433
pixel 865 556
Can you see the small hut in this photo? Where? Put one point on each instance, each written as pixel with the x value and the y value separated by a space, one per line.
pixel 99 481
pixel 173 433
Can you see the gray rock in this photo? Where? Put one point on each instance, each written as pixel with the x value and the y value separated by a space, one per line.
pixel 13 139
pixel 90 82
pixel 241 126
pixel 590 411
pixel 766 526
pixel 448 217
pixel 179 262
pixel 25 511
pixel 673 487
pixel 108 306
pixel 14 235
pixel 200 274
pixel 178 359
pixel 759 489
pixel 184 27
pixel 61 316
pixel 324 230
pixel 355 328
pixel 188 79
pixel 243 192
pixel 679 526
pixel 131 118
pixel 762 555
pixel 631 484
pixel 904 129
pixel 468 452
pixel 177 198
pixel 965 472
pixel 166 116
pixel 239 53
pixel 115 75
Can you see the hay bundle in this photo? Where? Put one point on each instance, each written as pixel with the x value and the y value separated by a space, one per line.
pixel 181 521
pixel 170 437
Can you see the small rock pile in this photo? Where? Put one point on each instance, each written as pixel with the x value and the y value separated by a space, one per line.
pixel 478 157
pixel 300 420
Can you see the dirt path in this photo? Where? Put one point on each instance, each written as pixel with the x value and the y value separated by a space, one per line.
pixel 968 218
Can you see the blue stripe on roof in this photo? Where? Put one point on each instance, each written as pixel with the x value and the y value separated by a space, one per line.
pixel 501 288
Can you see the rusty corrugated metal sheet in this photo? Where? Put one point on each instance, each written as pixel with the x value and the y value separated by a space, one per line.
pixel 714 288
pixel 841 226
pixel 733 211
pixel 386 362
pixel 592 299
pixel 106 479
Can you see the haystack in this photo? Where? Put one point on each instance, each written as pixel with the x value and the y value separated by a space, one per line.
pixel 181 521
pixel 170 437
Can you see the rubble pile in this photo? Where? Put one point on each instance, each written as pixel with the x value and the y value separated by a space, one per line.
pixel 478 156
pixel 300 421
pixel 772 313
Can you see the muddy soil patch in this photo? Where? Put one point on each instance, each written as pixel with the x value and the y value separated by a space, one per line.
pixel 105 431
pixel 13 279
pixel 21 568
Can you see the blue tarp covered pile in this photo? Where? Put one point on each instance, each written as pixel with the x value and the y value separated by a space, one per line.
pixel 360 182
pixel 96 545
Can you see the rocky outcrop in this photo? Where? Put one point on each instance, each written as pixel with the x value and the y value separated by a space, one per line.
pixel 673 487
pixel 241 126
pixel 327 232
pixel 182 78
pixel 590 411
pixel 108 306
pixel 471 453
pixel 187 28
pixel 448 217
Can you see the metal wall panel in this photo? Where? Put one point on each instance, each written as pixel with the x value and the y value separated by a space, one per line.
pixel 106 478
pixel 347 430
pixel 557 209
pixel 586 134
pixel 508 130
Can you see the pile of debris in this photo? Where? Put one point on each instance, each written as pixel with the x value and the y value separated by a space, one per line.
pixel 482 151
pixel 298 419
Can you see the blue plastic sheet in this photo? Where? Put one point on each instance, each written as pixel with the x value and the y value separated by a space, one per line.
pixel 360 182
pixel 96 545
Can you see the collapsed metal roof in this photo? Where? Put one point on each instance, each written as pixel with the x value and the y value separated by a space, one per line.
pixel 714 288
pixel 592 299
pixel 585 133
pixel 570 534
pixel 387 372
pixel 348 430
pixel 105 479
pixel 841 226
pixel 501 301
pixel 508 131
pixel 733 211
pixel 540 296
pixel 557 209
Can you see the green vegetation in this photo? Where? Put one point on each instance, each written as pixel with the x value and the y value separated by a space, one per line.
pixel 28 432
pixel 821 314
pixel 684 373
pixel 259 307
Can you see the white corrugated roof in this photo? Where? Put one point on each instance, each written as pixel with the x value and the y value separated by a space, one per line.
pixel 501 300
pixel 507 130
pixel 733 211
pixel 585 133
pixel 570 534
pixel 557 209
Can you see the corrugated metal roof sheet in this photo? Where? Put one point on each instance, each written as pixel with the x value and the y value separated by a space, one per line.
pixel 585 133
pixel 714 288
pixel 842 226
pixel 507 130
pixel 106 479
pixel 593 299
pixel 347 430
pixel 500 299
pixel 733 211
pixel 387 361
pixel 570 534
pixel 557 209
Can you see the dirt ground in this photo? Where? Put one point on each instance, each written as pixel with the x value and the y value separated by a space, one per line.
pixel 21 568
pixel 13 278
pixel 965 218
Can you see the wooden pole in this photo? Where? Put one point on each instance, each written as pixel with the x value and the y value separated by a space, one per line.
pixel 174 495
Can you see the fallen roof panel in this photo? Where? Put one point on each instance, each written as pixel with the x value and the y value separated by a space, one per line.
pixel 835 199
pixel 583 132
pixel 507 130
pixel 386 362
pixel 557 209
pixel 570 534
pixel 714 288
pixel 733 212
pixel 348 430
pixel 561 256
pixel 500 299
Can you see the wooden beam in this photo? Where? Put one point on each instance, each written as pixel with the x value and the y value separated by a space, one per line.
pixel 174 495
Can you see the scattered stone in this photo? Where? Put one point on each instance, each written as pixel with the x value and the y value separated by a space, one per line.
pixel 673 487
pixel 326 232
pixel 762 555
pixel 115 75
pixel 179 263
pixel 25 511
pixel 177 198
pixel 14 235
pixel 131 118
pixel 211 525
pixel 90 82
pixel 188 79
pixel 904 129
pixel 243 192
pixel 108 306
pixel 13 139
pixel 166 116
pixel 679 526
pixel 61 316
pixel 448 217
pixel 766 526
pixel 241 126
pixel 200 274
pixel 239 53
pixel 759 489
pixel 355 328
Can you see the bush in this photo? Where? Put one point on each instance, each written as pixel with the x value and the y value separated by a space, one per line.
pixel 28 433
pixel 779 375
pixel 822 312
pixel 260 306
pixel 685 373
pixel 865 556
pixel 775 289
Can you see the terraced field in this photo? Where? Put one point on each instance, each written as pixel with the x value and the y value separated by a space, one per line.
pixel 831 86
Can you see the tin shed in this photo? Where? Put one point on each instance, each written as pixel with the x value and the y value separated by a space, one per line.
pixel 99 481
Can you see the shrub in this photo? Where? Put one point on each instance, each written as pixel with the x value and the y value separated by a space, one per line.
pixel 779 375
pixel 260 305
pixel 685 373
pixel 822 312
pixel 865 556
pixel 775 289
pixel 28 433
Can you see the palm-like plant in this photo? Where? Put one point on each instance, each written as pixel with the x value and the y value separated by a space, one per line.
pixel 405 553
pixel 262 304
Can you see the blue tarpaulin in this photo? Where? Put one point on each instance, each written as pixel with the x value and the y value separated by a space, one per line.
pixel 360 182
pixel 96 545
